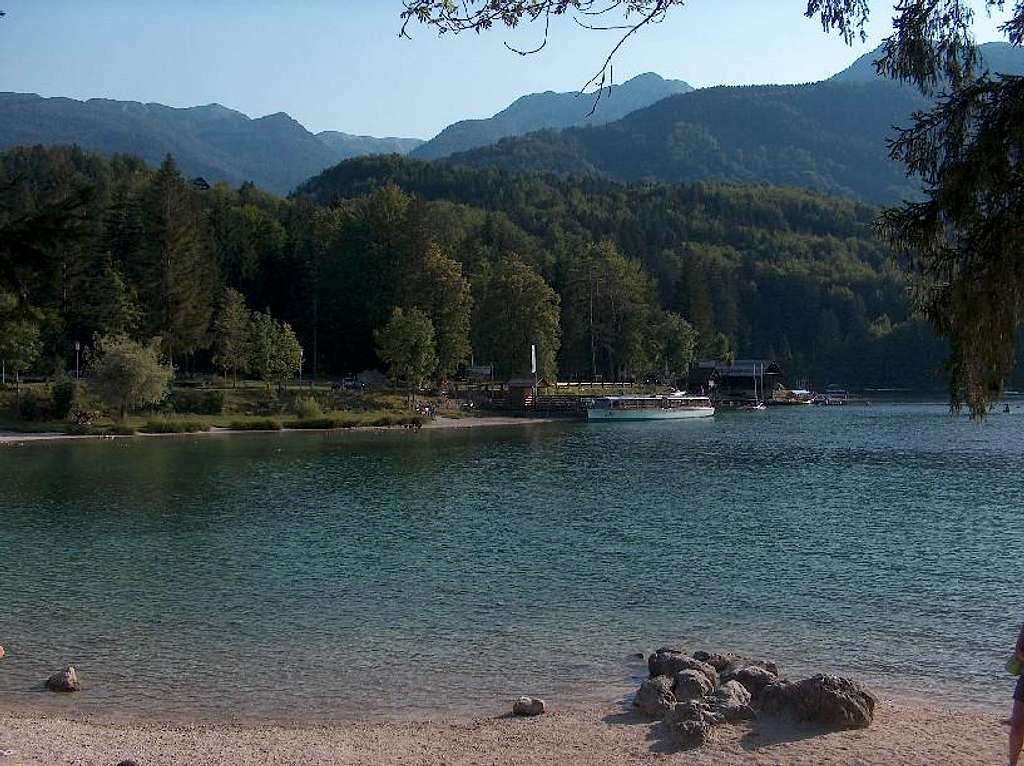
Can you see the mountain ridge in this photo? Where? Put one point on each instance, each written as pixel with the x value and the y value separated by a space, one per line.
pixel 274 151
pixel 550 109
pixel 996 57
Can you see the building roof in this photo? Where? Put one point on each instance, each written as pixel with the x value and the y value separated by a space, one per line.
pixel 744 367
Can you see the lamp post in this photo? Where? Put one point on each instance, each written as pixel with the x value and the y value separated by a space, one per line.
pixel 78 350
pixel 302 355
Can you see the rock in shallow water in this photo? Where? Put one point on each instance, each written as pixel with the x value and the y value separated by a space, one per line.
pixel 754 679
pixel 528 706
pixel 668 662
pixel 833 701
pixel 731 703
pixel 64 681
pixel 655 697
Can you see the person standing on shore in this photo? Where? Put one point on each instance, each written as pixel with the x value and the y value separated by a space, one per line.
pixel 1017 717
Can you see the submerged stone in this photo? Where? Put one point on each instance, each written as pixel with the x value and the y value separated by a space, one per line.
pixel 65 680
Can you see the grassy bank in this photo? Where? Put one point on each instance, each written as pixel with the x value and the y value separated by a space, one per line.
pixel 247 406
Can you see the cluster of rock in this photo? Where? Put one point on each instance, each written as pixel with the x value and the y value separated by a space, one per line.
pixel 693 692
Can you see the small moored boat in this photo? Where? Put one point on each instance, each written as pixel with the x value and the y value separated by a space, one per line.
pixel 674 406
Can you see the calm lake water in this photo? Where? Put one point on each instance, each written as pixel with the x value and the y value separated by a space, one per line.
pixel 299 575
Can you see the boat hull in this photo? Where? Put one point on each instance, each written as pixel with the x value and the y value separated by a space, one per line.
pixel 680 413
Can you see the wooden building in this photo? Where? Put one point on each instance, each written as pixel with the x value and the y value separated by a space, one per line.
pixel 743 380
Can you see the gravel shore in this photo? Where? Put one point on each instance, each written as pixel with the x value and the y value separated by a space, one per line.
pixel 903 733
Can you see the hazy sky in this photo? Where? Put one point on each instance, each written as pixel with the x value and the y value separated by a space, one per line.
pixel 339 64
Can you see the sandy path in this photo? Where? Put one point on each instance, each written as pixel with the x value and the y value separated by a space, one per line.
pixel 15 437
pixel 903 733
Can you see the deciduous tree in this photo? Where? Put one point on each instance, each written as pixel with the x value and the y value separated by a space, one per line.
pixel 275 353
pixel 127 375
pixel 516 309
pixel 406 345
pixel 437 286
pixel 231 334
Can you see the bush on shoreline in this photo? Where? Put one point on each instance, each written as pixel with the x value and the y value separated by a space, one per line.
pixel 183 401
pixel 173 426
pixel 307 408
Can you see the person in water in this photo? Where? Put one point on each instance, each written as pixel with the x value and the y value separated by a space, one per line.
pixel 1017 717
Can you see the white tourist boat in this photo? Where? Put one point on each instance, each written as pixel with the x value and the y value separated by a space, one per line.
pixel 674 406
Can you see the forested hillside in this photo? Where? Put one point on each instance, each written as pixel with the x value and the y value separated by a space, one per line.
pixel 780 272
pixel 829 137
pixel 538 111
pixel 606 279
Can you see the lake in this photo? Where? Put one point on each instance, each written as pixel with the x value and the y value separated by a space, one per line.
pixel 331 575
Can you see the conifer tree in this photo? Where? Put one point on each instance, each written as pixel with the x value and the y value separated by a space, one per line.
pixel 175 268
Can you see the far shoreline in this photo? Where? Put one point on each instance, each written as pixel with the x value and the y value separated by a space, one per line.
pixel 18 438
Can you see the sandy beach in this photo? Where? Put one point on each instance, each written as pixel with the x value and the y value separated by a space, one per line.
pixel 903 733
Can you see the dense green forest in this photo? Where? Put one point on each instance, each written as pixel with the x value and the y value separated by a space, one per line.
pixel 782 273
pixel 606 279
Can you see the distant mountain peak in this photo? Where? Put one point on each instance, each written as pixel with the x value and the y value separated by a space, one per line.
pixel 348 145
pixel 550 109
pixel 996 57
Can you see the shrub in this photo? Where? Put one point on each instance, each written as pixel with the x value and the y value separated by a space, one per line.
pixel 79 429
pixel 192 402
pixel 82 417
pixel 268 404
pixel 173 426
pixel 306 407
pixel 64 395
pixel 266 424
pixel 32 407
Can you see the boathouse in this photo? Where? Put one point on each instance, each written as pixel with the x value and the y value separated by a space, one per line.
pixel 740 380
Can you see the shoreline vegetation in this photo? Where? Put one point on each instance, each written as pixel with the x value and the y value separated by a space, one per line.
pixel 905 731
pixel 67 410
